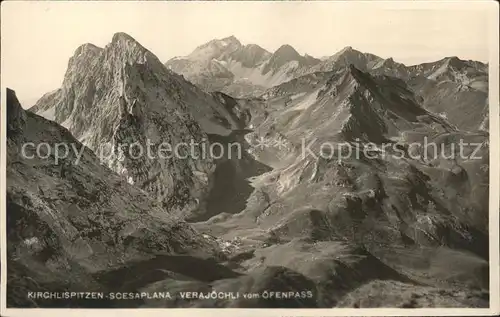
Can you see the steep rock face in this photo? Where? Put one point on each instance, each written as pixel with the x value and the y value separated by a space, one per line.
pixel 114 97
pixel 16 116
pixel 286 54
pixel 66 222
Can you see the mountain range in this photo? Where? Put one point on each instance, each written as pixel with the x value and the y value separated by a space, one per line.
pixel 248 70
pixel 365 230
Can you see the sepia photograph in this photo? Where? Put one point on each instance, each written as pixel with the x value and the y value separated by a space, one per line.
pixel 290 158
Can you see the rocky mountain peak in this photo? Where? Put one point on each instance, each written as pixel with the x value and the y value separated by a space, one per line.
pixel 455 62
pixel 122 37
pixel 230 40
pixel 282 56
pixel 390 61
pixel 16 116
pixel 386 64
pixel 287 52
pixel 84 54
pixel 253 47
pixel 355 77
pixel 124 48
pixel 250 55
pixel 127 95
pixel 88 48
pixel 274 208
pixel 215 48
pixel 255 50
pixel 346 52
pixel 349 55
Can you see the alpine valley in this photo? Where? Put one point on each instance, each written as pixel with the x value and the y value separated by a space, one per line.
pixel 367 231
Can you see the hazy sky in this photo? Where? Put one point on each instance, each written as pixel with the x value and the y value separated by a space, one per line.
pixel 39 37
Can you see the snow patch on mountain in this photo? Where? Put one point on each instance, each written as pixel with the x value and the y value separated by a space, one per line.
pixel 306 102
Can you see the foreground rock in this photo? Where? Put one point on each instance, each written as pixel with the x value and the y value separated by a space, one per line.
pixel 67 223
